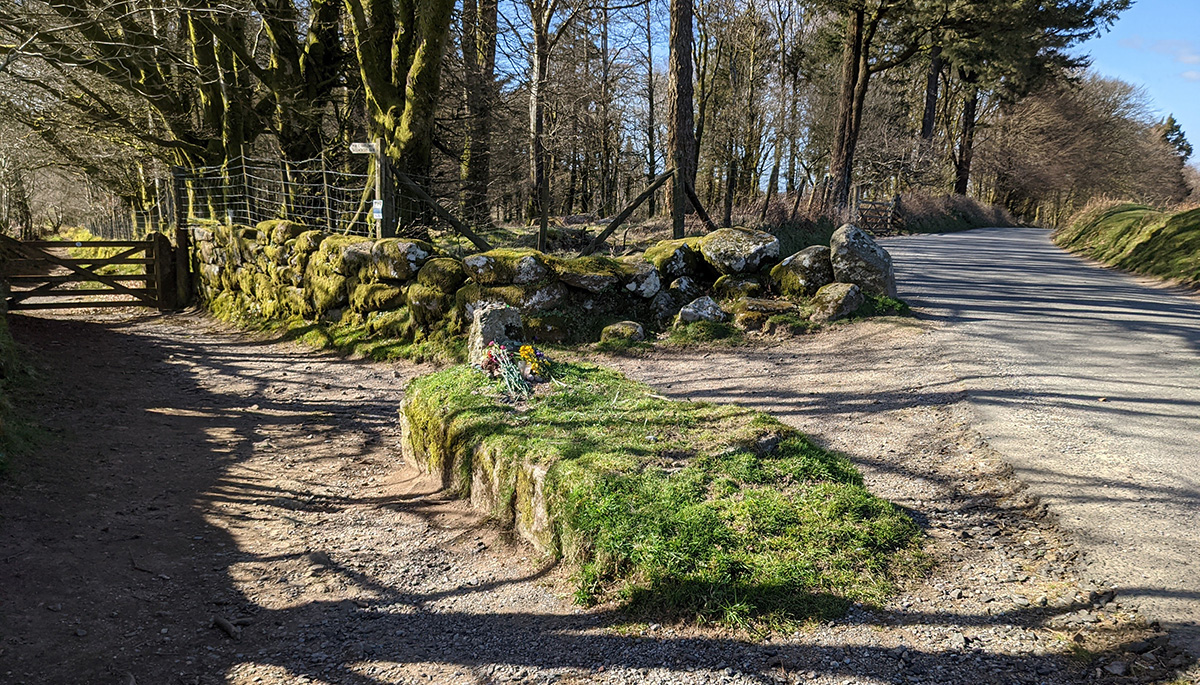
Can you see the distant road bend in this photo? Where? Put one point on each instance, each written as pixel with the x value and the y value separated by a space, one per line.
pixel 1088 381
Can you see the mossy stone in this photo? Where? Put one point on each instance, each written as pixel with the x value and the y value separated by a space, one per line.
pixel 801 275
pixel 752 314
pixel 640 277
pixel 676 258
pixel 593 274
pixel 347 255
pixel 327 289
pixel 400 259
pixel 739 250
pixel 222 234
pixel 507 267
pixel 836 301
pixel 732 287
pixel 443 273
pixel 374 297
pixel 623 330
pixel 396 323
pixel 309 242
pixel 279 231
pixel 428 305
pixel 548 328
pixel 207 251
pixel 528 298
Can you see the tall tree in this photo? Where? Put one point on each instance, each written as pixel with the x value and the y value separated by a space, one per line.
pixel 400 45
pixel 863 55
pixel 1011 47
pixel 681 134
pixel 479 65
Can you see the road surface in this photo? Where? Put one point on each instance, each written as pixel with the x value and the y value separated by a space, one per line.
pixel 1088 381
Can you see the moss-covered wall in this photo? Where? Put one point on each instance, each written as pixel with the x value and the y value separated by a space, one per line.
pixel 401 287
pixel 405 289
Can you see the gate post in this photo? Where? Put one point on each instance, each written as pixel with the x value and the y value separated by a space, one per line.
pixel 183 268
pixel 164 278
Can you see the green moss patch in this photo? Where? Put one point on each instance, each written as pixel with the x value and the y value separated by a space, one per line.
pixel 381 336
pixel 703 332
pixel 1140 239
pixel 690 508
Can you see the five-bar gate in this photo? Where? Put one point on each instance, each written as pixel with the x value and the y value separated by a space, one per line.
pixel 93 273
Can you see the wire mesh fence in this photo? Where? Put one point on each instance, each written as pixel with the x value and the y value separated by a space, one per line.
pixel 124 223
pixel 316 192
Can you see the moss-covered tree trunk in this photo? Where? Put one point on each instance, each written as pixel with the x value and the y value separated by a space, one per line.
pixel 400 46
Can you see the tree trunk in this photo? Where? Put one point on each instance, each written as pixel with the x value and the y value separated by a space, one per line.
pixel 681 133
pixel 846 135
pixel 540 182
pixel 966 145
pixel 400 46
pixel 730 182
pixel 931 93
pixel 479 65
pixel 651 160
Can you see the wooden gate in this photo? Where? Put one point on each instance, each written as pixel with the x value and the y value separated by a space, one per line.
pixel 879 218
pixel 47 274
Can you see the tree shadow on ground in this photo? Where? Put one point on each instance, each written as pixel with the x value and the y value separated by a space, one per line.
pixel 122 551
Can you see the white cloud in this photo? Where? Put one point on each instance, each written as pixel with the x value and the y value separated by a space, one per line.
pixel 1191 75
pixel 1181 51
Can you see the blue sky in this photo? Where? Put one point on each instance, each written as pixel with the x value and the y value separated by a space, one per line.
pixel 1156 44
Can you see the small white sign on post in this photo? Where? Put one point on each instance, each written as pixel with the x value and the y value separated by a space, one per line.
pixel 363 148
pixel 377 209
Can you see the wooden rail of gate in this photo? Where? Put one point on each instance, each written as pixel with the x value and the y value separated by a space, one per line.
pixel 880 218
pixel 33 272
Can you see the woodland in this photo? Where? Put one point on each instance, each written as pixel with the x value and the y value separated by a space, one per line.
pixel 535 113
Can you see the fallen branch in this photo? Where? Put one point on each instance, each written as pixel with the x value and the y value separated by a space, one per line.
pixel 616 223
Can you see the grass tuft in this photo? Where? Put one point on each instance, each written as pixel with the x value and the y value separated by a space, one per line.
pixel 705 332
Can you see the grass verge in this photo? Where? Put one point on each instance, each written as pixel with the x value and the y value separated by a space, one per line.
pixel 1138 238
pixel 681 508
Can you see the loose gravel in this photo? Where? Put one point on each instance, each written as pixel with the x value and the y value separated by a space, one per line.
pixel 207 507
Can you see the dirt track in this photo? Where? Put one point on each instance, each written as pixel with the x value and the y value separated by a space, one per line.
pixel 190 473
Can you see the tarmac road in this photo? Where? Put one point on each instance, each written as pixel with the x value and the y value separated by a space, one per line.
pixel 1088 381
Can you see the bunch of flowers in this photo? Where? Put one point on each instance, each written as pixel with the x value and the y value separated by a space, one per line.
pixel 498 363
pixel 537 364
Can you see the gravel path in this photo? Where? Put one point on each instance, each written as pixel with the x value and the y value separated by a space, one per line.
pixel 210 508
pixel 1088 381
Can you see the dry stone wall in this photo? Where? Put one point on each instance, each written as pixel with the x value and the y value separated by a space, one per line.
pixel 405 288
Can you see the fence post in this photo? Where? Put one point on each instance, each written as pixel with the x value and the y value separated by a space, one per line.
pixel 183 268
pixel 383 192
pixel 327 189
pixel 245 187
pixel 179 187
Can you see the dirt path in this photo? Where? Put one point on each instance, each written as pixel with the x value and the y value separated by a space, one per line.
pixel 191 473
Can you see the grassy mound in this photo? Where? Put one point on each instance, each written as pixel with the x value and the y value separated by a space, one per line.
pixel 1138 238
pixel 707 510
